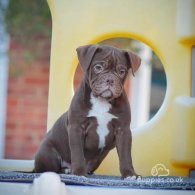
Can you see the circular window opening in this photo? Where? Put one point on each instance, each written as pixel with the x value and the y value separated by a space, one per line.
pixel 146 91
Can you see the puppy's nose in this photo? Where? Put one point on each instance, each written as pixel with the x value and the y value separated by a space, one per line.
pixel 110 81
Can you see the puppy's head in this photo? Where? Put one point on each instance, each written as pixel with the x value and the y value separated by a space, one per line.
pixel 106 68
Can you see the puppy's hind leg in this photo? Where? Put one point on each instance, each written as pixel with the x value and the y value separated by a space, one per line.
pixel 47 160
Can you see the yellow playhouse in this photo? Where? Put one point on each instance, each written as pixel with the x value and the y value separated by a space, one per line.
pixel 168 27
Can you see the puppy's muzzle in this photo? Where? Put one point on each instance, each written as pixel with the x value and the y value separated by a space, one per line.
pixel 107 86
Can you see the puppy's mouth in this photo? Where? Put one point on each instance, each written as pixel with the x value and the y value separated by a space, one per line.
pixel 107 94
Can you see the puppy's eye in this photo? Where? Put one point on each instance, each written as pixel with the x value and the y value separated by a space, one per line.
pixel 122 72
pixel 98 68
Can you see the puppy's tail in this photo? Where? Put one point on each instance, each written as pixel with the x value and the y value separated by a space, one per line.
pixel 48 183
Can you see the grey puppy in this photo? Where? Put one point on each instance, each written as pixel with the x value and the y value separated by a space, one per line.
pixel 98 118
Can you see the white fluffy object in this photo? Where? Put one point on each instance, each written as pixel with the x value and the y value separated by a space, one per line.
pixel 48 183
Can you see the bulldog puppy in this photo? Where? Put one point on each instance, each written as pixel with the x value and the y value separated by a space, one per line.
pixel 98 118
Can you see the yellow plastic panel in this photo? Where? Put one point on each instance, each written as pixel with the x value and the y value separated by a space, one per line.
pixel 77 23
pixel 183 153
pixel 186 21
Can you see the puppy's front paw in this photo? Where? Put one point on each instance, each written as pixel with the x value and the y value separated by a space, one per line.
pixel 67 171
pixel 132 178
pixel 79 171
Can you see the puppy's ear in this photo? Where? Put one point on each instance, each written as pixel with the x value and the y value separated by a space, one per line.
pixel 85 55
pixel 133 60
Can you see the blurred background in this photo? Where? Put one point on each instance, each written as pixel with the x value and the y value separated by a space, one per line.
pixel 25 38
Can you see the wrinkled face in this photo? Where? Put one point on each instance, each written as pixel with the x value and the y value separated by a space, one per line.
pixel 107 73
pixel 106 68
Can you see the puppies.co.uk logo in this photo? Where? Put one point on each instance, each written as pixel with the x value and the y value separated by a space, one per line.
pixel 159 170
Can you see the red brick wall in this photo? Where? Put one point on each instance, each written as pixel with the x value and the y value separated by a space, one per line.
pixel 26 112
pixel 27 100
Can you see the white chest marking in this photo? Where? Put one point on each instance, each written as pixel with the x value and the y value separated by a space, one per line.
pixel 100 110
